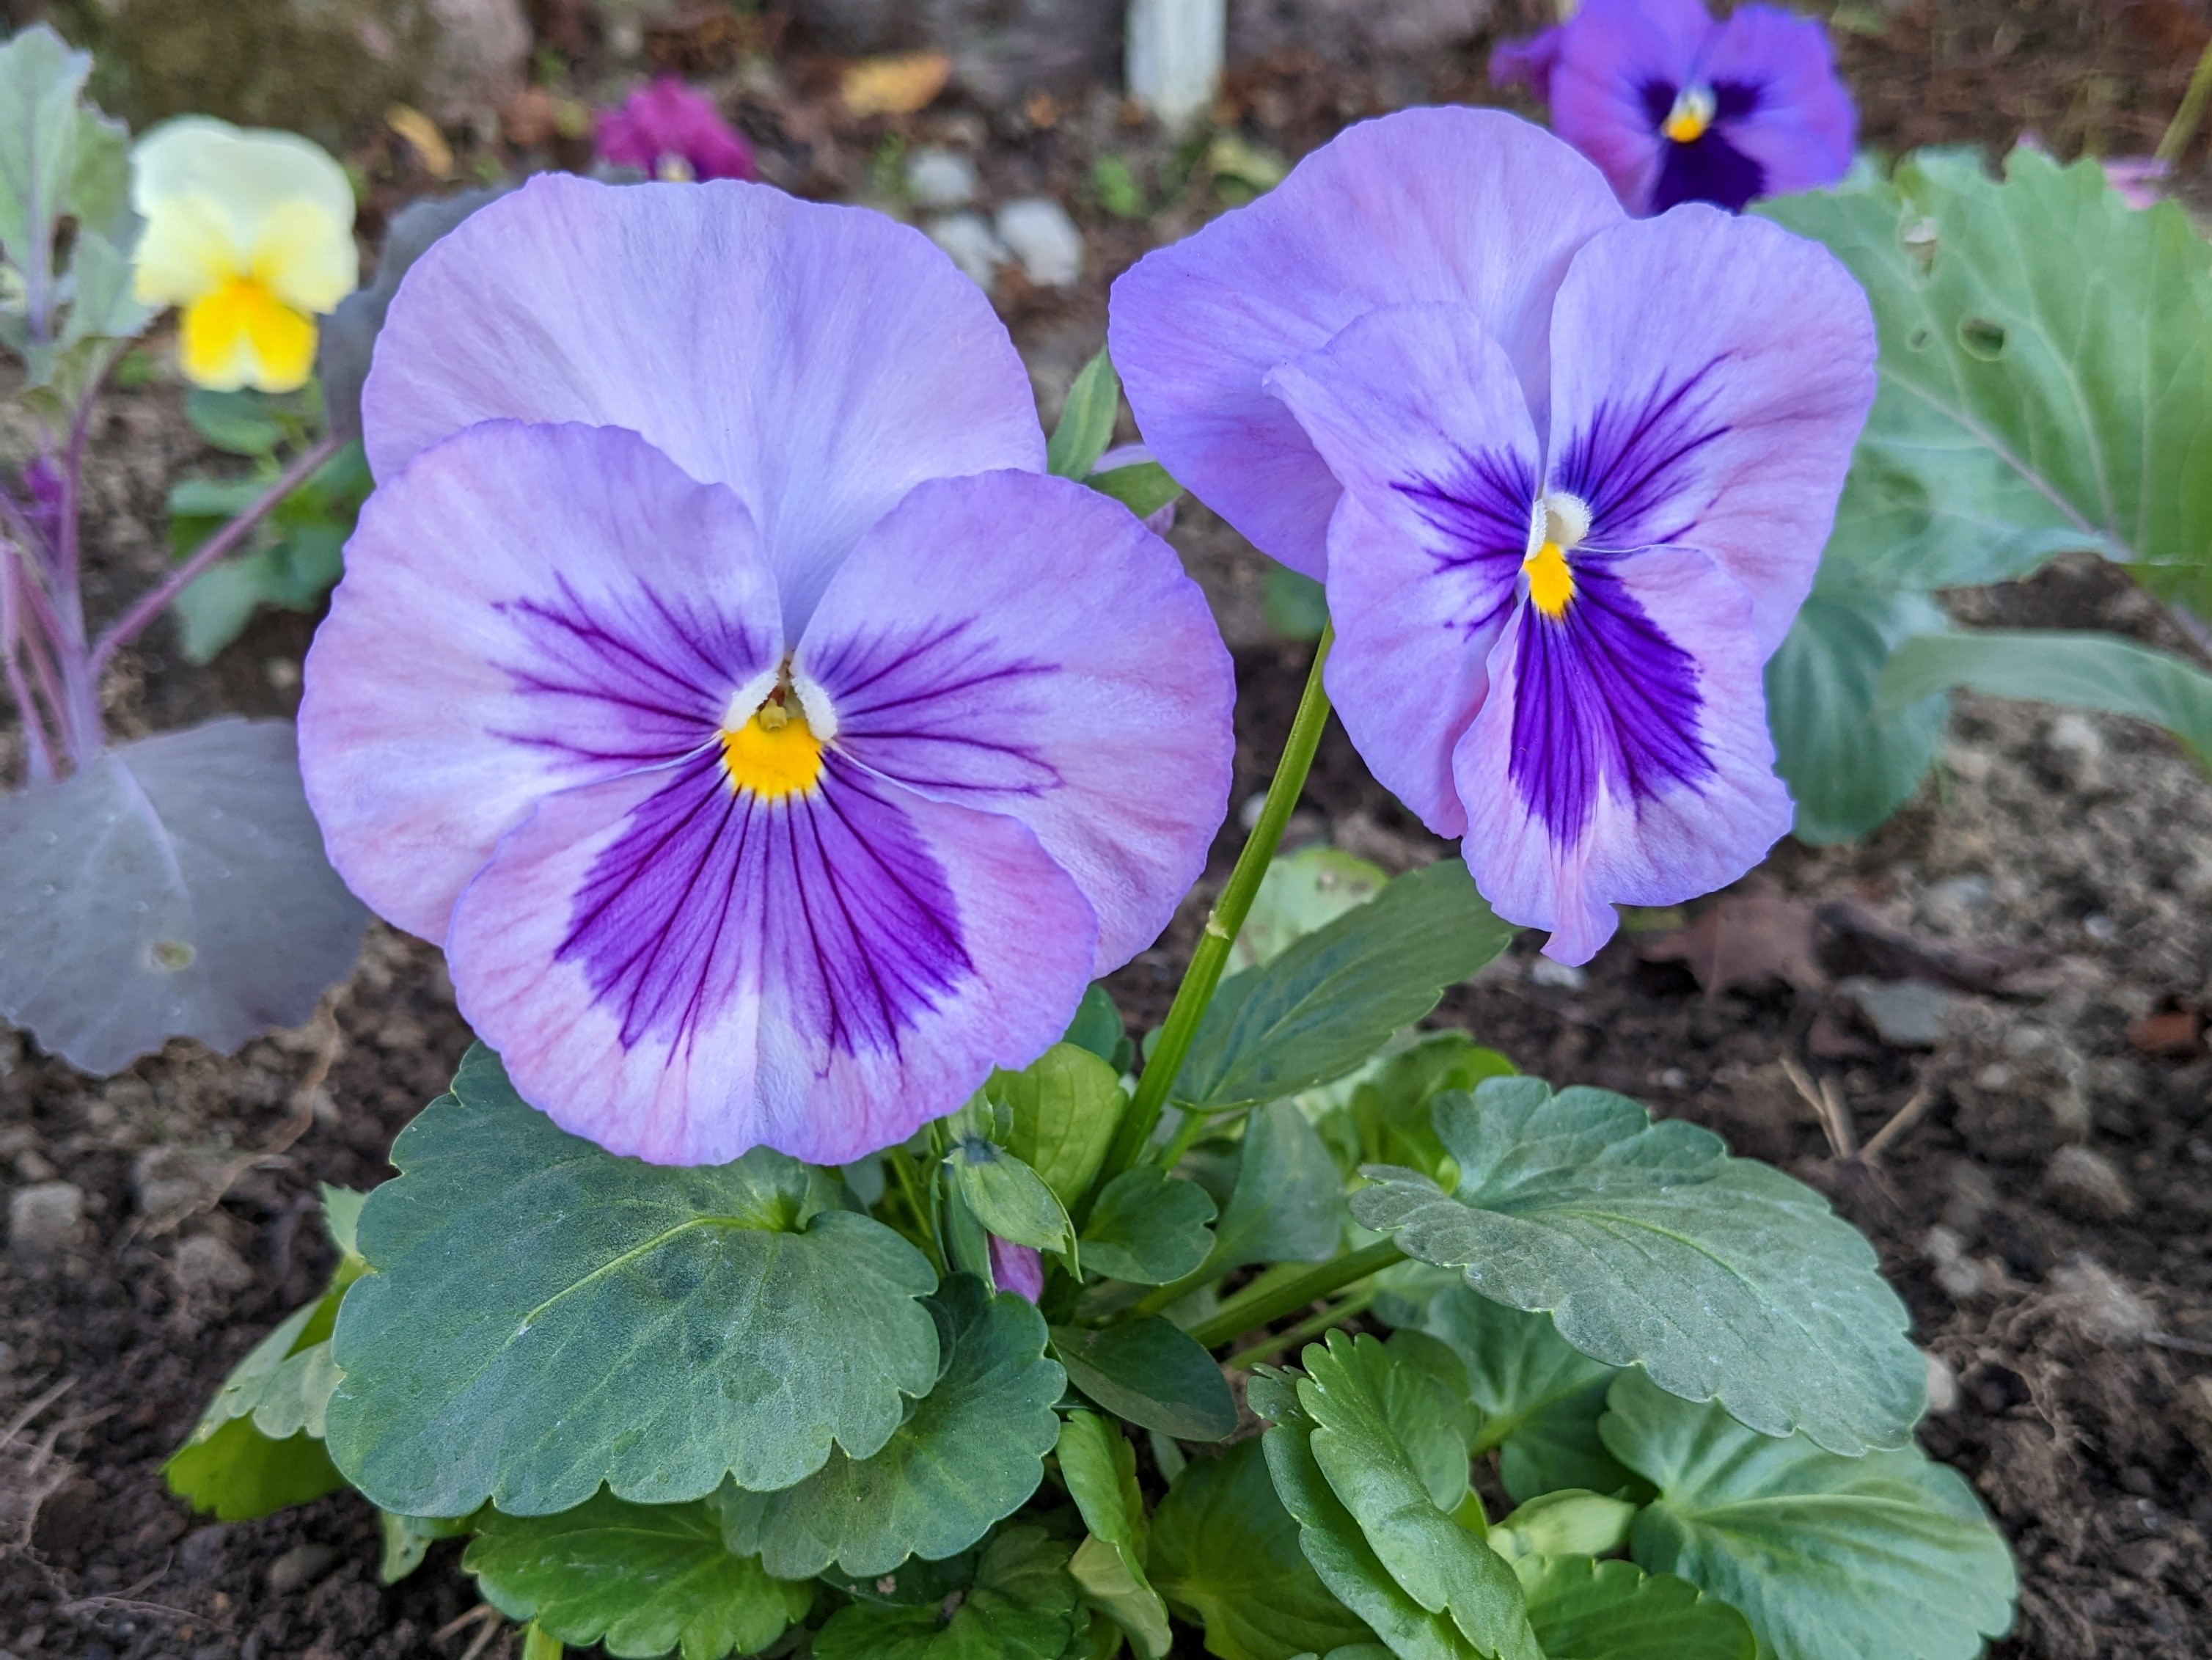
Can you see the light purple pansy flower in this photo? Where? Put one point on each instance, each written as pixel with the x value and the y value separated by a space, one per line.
pixel 1676 107
pixel 674 134
pixel 1567 476
pixel 773 745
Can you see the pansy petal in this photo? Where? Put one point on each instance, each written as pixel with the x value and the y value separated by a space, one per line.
pixel 1801 126
pixel 1709 376
pixel 243 175
pixel 1020 644
pixel 525 609
pixel 820 361
pixel 1619 69
pixel 680 970
pixel 1419 416
pixel 1623 755
pixel 1469 206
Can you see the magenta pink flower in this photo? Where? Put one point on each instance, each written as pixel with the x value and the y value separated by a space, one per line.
pixel 675 134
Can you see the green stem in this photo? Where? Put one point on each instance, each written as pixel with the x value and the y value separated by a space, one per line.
pixel 925 1223
pixel 1328 1319
pixel 1211 956
pixel 1257 1305
pixel 538 1644
pixel 2183 127
pixel 1185 1138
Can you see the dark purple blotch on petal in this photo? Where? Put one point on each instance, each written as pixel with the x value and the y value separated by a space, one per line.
pixel 1601 693
pixel 1482 514
pixel 1708 168
pixel 831 894
pixel 1632 462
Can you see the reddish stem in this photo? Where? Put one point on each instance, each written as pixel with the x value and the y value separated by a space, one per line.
pixel 41 755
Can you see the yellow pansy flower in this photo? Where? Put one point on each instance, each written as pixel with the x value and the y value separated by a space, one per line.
pixel 250 234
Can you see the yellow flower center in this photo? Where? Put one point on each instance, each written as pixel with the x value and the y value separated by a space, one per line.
pixel 239 334
pixel 1693 113
pixel 775 753
pixel 1561 522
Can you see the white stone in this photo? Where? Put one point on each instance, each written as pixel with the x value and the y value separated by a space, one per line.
pixel 1037 231
pixel 1565 976
pixel 205 1264
pixel 973 245
pixel 1173 58
pixel 1943 1386
pixel 940 179
pixel 43 1217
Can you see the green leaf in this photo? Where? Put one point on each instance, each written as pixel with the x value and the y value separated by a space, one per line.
pixel 99 179
pixel 546 1317
pixel 1301 893
pixel 2046 370
pixel 970 1451
pixel 1537 1397
pixel 238 422
pixel 1151 1373
pixel 641 1578
pixel 1849 761
pixel 39 79
pixel 1288 1202
pixel 1424 1391
pixel 1148 1228
pixel 1650 1245
pixel 1829 1558
pixel 1021 1607
pixel 2099 671
pixel 1064 1108
pixel 1357 1444
pixel 1007 1197
pixel 1568 1522
pixel 408 1539
pixel 1225 1549
pixel 1086 419
pixel 1098 1026
pixel 1295 606
pixel 1143 487
pixel 342 1215
pixel 1100 1468
pixel 102 307
pixel 1390 1111
pixel 1339 1551
pixel 1588 1610
pixel 237 1473
pixel 1335 997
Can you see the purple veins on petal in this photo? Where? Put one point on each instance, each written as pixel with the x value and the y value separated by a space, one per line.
pixel 1633 457
pixel 1602 694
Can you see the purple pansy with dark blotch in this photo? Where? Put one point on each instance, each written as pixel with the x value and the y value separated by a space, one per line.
pixel 674 134
pixel 1676 107
pixel 773 745
pixel 1566 474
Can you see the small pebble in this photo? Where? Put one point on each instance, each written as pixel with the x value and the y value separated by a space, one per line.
pixel 1038 231
pixel 1906 1014
pixel 1943 1386
pixel 940 179
pixel 1565 976
pixel 2098 1305
pixel 299 1567
pixel 43 1217
pixel 969 241
pixel 205 1263
pixel 2088 1186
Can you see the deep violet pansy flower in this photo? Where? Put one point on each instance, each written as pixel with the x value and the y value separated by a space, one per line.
pixel 674 134
pixel 1676 107
pixel 773 745
pixel 1567 476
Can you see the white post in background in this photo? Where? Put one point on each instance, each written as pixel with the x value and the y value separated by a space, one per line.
pixel 1174 49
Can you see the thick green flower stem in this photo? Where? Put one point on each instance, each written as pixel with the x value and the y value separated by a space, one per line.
pixel 1262 1302
pixel 1306 1330
pixel 537 1644
pixel 2183 127
pixel 1207 963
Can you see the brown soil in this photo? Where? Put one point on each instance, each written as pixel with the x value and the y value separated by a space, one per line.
pixel 2047 1214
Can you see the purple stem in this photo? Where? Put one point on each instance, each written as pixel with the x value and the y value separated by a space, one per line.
pixel 80 710
pixel 223 543
pixel 41 756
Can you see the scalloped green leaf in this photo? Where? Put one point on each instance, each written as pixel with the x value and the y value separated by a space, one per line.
pixel 2046 370
pixel 969 1452
pixel 1334 996
pixel 1828 1558
pixel 1589 1610
pixel 641 1580
pixel 1148 1228
pixel 1389 1110
pixel 546 1316
pixel 1151 1372
pixel 1649 1245
pixel 1361 1445
pixel 1225 1550
pixel 1537 1397
pixel 1022 1606
pixel 1063 1107
pixel 1850 760
pixel 1300 893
